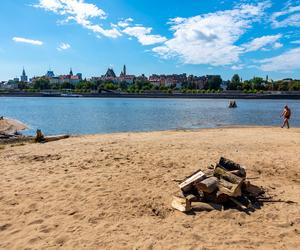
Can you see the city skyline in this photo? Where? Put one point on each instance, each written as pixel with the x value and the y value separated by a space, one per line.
pixel 250 38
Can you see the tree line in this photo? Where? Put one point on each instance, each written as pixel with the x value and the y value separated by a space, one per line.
pixel 213 84
pixel 259 84
pixel 138 86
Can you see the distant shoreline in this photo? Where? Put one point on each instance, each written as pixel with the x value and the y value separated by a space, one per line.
pixel 291 96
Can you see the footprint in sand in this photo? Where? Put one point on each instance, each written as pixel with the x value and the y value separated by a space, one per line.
pixel 4 226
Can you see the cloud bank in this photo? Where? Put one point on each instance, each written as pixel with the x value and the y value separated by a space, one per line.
pixel 211 38
pixel 28 41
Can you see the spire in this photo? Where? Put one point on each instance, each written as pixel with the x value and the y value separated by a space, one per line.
pixel 124 70
pixel 71 72
pixel 24 77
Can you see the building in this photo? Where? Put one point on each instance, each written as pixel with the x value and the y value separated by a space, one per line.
pixel 123 72
pixel 24 77
pixel 126 78
pixel 69 78
pixel 50 74
pixel 110 73
pixel 198 82
pixel 110 76
pixel 174 80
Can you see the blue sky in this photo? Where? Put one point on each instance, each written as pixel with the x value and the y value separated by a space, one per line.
pixel 251 38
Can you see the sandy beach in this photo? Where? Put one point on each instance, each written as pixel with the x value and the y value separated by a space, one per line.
pixel 10 126
pixel 114 191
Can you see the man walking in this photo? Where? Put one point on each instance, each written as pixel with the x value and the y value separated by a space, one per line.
pixel 286 114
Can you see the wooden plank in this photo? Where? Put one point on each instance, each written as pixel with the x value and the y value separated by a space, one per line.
pixel 188 183
pixel 230 189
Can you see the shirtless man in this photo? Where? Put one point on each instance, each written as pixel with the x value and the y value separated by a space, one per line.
pixel 286 114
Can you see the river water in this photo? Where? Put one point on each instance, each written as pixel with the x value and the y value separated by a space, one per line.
pixel 108 115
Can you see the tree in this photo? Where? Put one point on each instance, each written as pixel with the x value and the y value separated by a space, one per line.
pixel 257 83
pixel 214 82
pixel 23 85
pixel 246 85
pixel 42 83
pixel 235 82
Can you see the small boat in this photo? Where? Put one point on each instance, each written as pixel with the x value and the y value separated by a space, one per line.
pixel 232 104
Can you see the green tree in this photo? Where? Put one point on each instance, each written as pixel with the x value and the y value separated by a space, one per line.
pixel 41 83
pixel 214 83
pixel 257 83
pixel 235 82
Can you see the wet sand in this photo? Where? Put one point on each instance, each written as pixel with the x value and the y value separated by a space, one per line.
pixel 114 191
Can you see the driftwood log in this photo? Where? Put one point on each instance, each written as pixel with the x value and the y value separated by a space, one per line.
pixel 41 138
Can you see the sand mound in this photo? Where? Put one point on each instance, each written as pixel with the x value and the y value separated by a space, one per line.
pixel 10 126
pixel 114 191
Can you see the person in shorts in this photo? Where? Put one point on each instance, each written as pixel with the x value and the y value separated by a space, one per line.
pixel 286 114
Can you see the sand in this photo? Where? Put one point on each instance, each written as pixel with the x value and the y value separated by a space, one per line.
pixel 114 191
pixel 10 126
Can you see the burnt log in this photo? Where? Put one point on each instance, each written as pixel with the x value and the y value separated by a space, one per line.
pixel 230 165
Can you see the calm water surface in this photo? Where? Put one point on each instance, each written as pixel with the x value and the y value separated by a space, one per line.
pixel 89 116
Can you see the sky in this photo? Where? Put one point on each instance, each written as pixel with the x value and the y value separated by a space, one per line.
pixel 199 37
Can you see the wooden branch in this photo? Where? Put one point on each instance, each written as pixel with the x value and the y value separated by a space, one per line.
pixel 282 201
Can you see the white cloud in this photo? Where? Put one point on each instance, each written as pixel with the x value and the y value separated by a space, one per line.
pixel 261 42
pixel 238 67
pixel 285 62
pixel 290 16
pixel 63 46
pixel 211 38
pixel 28 41
pixel 296 42
pixel 143 34
pixel 81 13
pixel 125 23
pixel 277 45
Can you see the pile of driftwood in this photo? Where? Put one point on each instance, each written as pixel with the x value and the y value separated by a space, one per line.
pixel 223 185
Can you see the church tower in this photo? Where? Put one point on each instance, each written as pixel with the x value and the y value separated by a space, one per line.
pixel 124 70
pixel 71 72
pixel 24 77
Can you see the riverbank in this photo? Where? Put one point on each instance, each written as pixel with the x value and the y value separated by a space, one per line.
pixel 222 95
pixel 114 191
